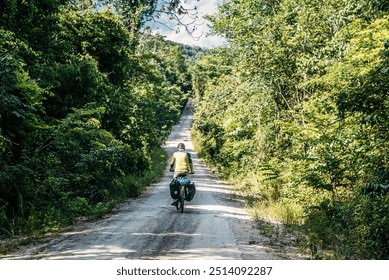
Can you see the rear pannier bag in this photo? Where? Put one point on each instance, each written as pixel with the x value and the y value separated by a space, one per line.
pixel 191 192
pixel 174 188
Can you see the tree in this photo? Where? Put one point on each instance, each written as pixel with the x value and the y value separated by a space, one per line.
pixel 300 120
pixel 82 115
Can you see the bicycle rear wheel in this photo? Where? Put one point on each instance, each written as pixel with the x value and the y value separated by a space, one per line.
pixel 178 205
pixel 181 200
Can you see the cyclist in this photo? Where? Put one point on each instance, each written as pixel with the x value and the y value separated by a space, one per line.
pixel 181 164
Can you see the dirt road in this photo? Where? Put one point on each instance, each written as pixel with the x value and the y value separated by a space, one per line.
pixel 213 226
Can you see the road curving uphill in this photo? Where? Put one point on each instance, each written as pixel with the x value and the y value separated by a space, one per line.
pixel 213 226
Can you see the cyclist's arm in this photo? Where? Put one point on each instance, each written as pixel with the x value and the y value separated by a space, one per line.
pixel 190 163
pixel 172 162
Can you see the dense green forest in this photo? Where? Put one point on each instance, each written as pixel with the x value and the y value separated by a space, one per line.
pixel 294 110
pixel 86 99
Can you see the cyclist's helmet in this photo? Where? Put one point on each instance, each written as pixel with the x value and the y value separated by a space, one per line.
pixel 181 146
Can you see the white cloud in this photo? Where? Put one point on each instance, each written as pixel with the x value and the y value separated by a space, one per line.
pixel 204 7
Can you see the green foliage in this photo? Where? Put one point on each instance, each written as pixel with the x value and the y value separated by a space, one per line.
pixel 295 111
pixel 83 111
pixel 355 228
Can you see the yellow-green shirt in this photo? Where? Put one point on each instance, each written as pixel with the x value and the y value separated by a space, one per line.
pixel 181 160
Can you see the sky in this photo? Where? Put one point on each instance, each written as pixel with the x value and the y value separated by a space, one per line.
pixel 204 7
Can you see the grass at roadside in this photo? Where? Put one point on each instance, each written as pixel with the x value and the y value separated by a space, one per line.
pixel 137 184
pixel 276 219
pixel 82 210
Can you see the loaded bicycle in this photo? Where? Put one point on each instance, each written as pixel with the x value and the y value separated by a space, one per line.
pixel 182 189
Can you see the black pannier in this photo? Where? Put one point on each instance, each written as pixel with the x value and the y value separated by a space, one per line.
pixel 175 187
pixel 191 192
